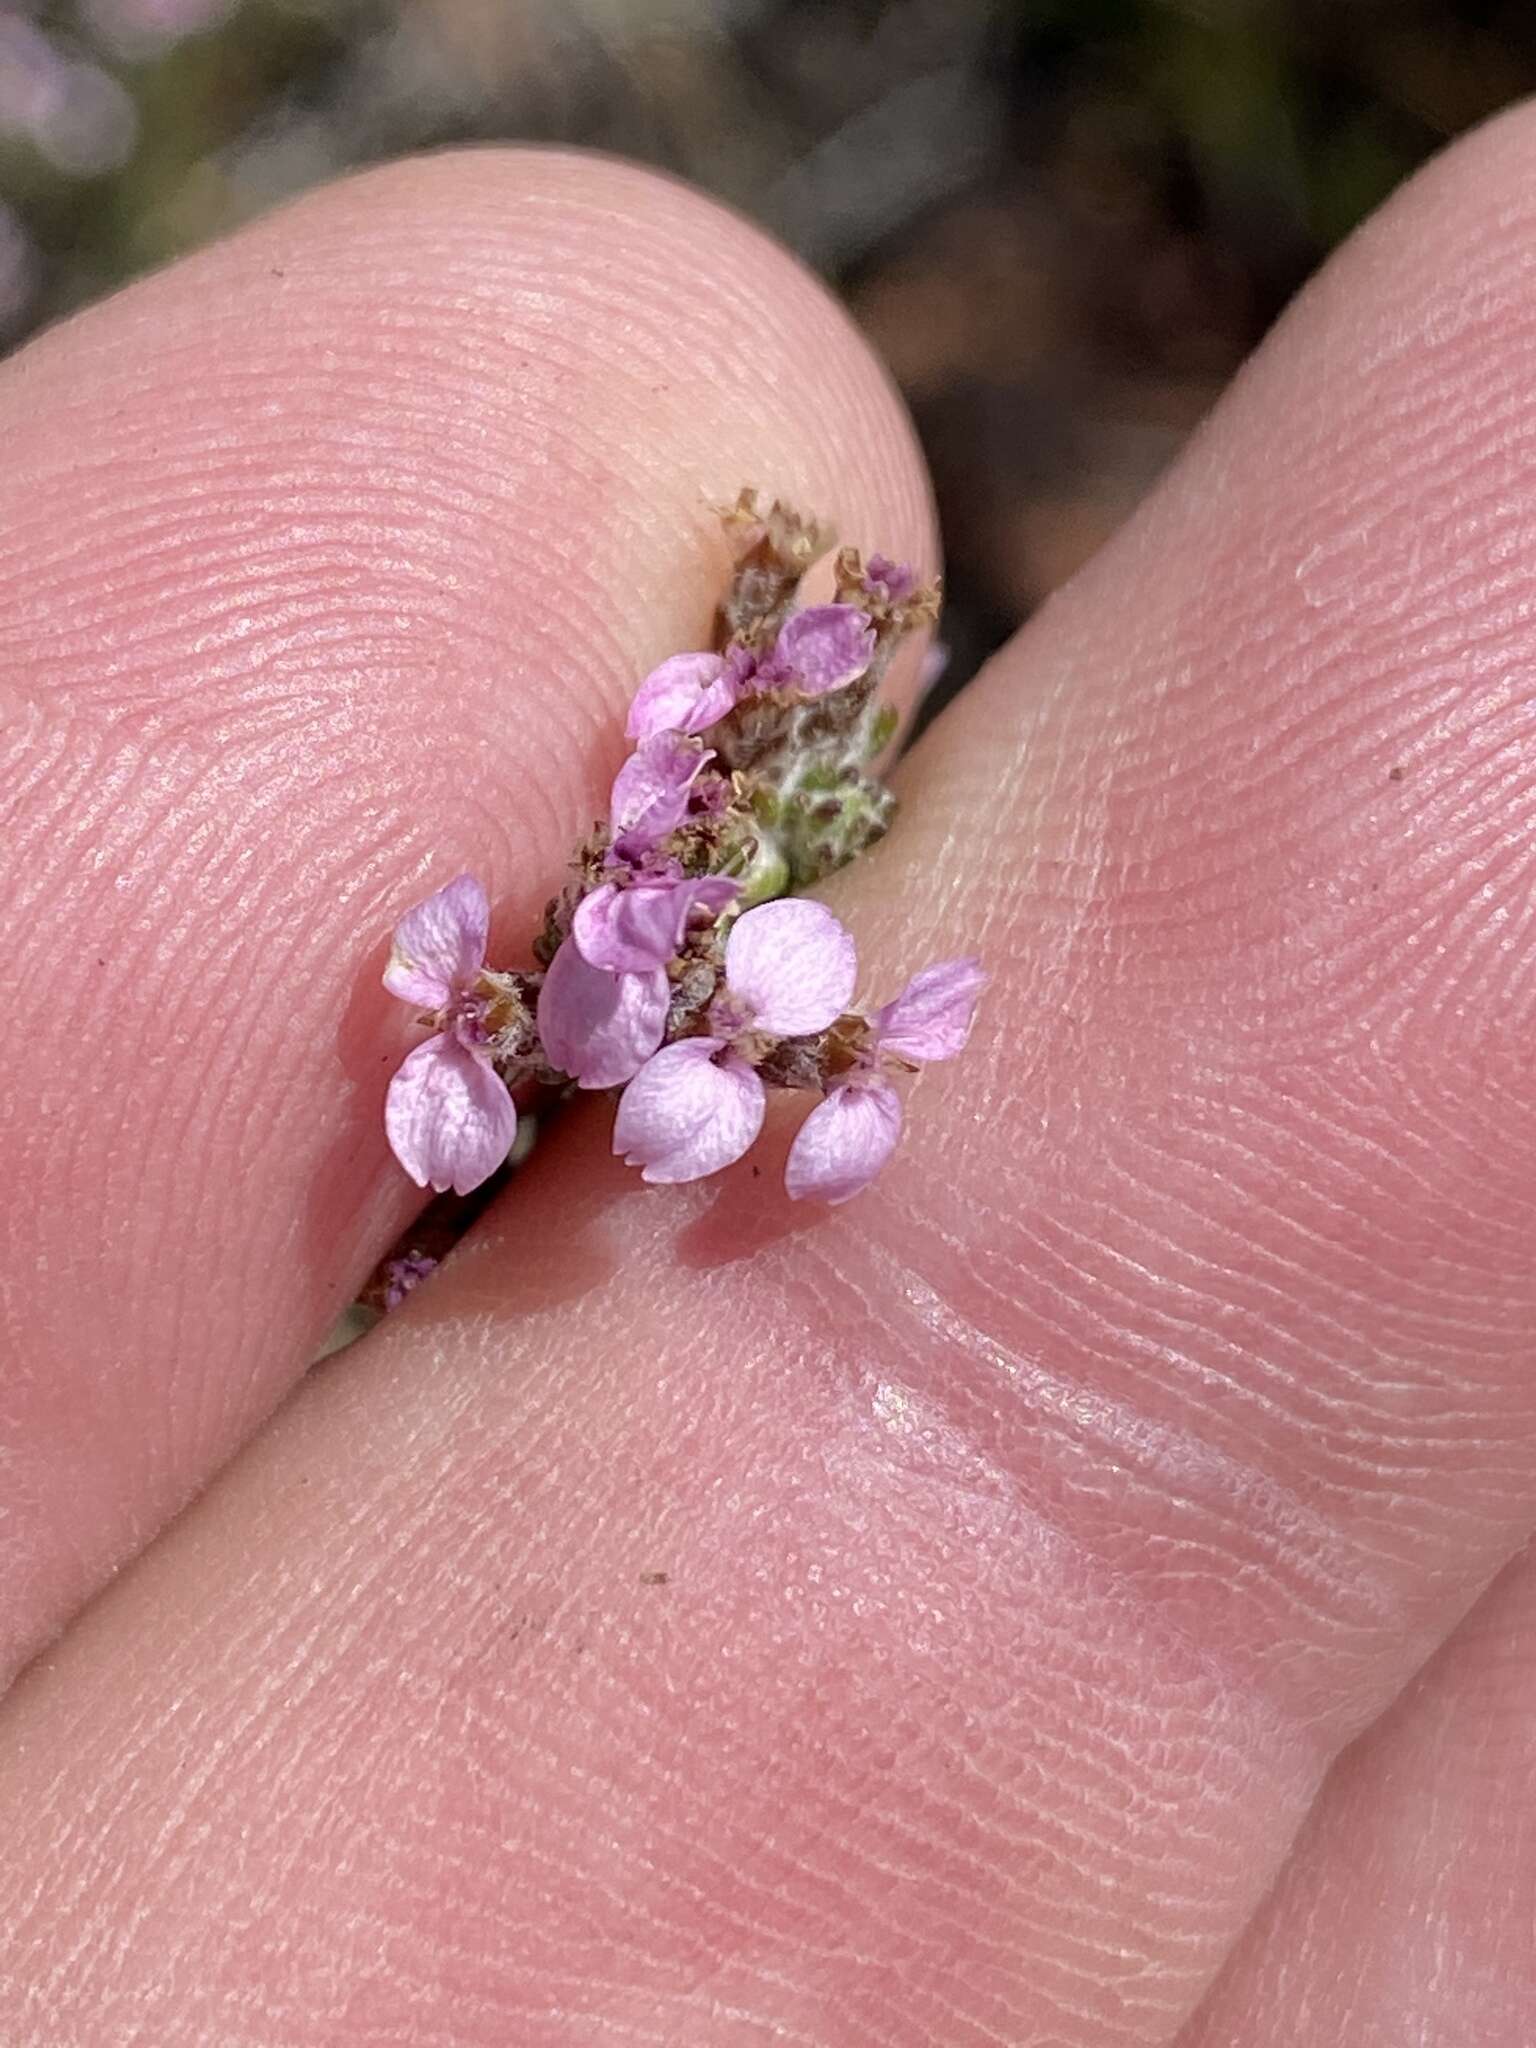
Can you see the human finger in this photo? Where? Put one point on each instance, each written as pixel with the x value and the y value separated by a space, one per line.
pixel 328 560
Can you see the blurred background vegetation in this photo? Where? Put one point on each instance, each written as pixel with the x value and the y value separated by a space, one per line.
pixel 1063 222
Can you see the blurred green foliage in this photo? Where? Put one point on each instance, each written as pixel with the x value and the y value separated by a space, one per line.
pixel 1288 120
pixel 1065 221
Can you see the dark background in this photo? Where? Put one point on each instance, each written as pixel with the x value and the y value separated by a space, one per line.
pixel 1063 222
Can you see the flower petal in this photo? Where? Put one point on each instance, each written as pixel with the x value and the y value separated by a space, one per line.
pixel 625 929
pixel 598 1027
pixel 685 1114
pixel 448 1116
pixel 685 694
pixel 931 1019
pixel 844 1142
pixel 439 945
pixel 792 965
pixel 713 893
pixel 633 930
pixel 650 792
pixel 822 648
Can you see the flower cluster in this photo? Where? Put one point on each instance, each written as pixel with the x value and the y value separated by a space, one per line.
pixel 676 965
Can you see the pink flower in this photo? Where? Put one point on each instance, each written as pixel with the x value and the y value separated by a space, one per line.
pixel 697 1105
pixel 818 649
pixel 849 1135
pixel 686 694
pixel 650 793
pixel 603 1007
pixel 891 581
pixel 629 930
pixel 822 648
pixel 448 1116
pixel 600 1027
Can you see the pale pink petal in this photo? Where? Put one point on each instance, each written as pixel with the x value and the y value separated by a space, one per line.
pixel 687 1114
pixel 625 929
pixel 650 793
pixel 844 1142
pixel 685 694
pixel 822 648
pixel 448 1116
pixel 599 1027
pixel 791 965
pixel 633 930
pixel 439 946
pixel 931 1019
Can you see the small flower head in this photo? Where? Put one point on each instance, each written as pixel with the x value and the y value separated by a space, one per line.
pixel 849 1135
pixel 821 648
pixel 403 1276
pixel 448 1117
pixel 888 582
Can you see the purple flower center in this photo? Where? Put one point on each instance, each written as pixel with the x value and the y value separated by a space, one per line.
pixel 464 1019
pixel 729 1017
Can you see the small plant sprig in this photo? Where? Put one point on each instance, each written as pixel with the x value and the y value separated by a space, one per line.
pixel 678 964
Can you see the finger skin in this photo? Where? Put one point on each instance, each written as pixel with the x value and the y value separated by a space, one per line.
pixel 328 560
pixel 1037 1528
pixel 1407 1910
